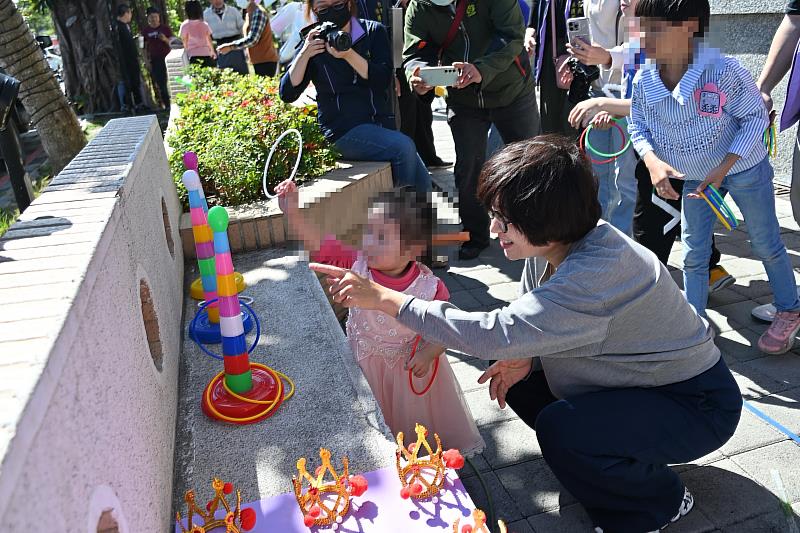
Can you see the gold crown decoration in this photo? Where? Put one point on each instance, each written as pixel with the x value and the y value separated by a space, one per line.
pixel 315 500
pixel 421 477
pixel 478 524
pixel 235 521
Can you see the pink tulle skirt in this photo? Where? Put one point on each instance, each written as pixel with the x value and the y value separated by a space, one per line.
pixel 441 409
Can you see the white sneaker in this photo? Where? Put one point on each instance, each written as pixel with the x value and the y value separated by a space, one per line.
pixel 683 510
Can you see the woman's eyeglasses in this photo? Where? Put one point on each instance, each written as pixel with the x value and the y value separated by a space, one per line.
pixel 494 215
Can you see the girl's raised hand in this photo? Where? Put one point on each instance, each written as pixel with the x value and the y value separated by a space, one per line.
pixel 287 195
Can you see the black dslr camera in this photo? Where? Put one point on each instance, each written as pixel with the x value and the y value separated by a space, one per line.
pixel 582 78
pixel 336 39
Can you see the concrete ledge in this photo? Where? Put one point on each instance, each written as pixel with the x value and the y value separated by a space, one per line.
pixel 332 406
pixel 90 280
pixel 336 202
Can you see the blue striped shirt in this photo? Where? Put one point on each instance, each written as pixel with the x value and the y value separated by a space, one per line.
pixel 670 123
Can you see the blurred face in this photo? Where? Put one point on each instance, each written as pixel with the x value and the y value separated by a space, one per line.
pixel 381 243
pixel 217 3
pixel 126 18
pixel 668 42
pixel 154 20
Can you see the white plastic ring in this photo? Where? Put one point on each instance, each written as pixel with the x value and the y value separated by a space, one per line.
pixel 272 152
pixel 244 299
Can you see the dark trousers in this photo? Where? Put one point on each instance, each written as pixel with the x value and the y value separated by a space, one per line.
pixel 158 69
pixel 555 106
pixel 206 61
pixel 416 119
pixel 649 219
pixel 470 128
pixel 233 60
pixel 266 69
pixel 610 449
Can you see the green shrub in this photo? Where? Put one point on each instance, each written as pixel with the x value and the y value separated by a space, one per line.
pixel 231 122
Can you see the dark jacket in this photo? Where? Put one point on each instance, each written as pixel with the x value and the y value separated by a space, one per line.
pixel 129 54
pixel 493 43
pixel 344 99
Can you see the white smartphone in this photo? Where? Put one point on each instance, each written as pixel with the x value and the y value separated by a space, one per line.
pixel 439 76
pixel 579 32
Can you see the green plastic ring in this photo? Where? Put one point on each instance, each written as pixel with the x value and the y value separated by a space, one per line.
pixel 601 154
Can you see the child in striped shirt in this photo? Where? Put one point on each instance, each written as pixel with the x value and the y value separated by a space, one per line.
pixel 697 115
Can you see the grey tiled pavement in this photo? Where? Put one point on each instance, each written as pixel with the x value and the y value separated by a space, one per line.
pixel 735 488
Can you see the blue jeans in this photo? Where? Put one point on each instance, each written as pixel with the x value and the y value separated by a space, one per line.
pixel 753 193
pixel 617 179
pixel 370 142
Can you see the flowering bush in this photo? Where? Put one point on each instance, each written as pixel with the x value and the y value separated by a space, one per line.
pixel 231 122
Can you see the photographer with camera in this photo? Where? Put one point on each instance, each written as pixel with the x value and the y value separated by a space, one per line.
pixel 483 41
pixel 349 61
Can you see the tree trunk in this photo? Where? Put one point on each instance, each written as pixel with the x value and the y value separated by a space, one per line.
pixel 88 49
pixel 50 113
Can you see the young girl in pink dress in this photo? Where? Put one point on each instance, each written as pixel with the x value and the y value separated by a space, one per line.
pixel 398 229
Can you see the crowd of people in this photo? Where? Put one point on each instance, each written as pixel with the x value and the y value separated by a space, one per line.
pixel 602 354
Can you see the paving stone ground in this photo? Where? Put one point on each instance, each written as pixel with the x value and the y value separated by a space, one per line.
pixel 739 488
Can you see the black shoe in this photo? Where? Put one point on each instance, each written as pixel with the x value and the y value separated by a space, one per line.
pixel 471 250
pixel 438 163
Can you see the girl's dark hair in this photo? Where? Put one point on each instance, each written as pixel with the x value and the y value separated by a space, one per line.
pixel 193 9
pixel 412 211
pixel 543 186
pixel 677 11
pixel 122 9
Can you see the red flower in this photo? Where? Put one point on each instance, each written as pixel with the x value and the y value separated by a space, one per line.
pixel 358 485
pixel 204 97
pixel 227 488
pixel 453 459
pixel 308 520
pixel 229 93
pixel 247 519
pixel 244 103
pixel 270 118
pixel 266 101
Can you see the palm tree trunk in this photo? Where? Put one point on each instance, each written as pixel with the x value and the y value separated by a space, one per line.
pixel 47 106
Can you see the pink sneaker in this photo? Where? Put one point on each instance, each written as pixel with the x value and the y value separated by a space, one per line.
pixel 780 336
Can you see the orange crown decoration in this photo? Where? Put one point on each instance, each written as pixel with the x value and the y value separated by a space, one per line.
pixel 420 477
pixel 318 508
pixel 478 524
pixel 235 521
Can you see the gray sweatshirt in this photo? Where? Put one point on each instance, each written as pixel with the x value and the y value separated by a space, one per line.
pixel 610 316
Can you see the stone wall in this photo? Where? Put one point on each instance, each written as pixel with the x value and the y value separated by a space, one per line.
pixel 744 29
pixel 91 284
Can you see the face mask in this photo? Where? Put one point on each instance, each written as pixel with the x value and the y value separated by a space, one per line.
pixel 338 14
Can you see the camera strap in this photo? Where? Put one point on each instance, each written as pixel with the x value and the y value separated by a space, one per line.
pixel 461 10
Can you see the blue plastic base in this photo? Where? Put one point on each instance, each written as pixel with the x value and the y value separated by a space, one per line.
pixel 207 333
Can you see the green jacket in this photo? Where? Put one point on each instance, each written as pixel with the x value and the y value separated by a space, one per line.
pixel 493 43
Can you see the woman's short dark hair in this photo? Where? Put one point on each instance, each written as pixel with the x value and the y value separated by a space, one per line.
pixel 153 10
pixel 411 210
pixel 543 186
pixel 122 9
pixel 677 11
pixel 193 9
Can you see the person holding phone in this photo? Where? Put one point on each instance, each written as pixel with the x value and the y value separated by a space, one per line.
pixel 484 42
pixel 353 91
